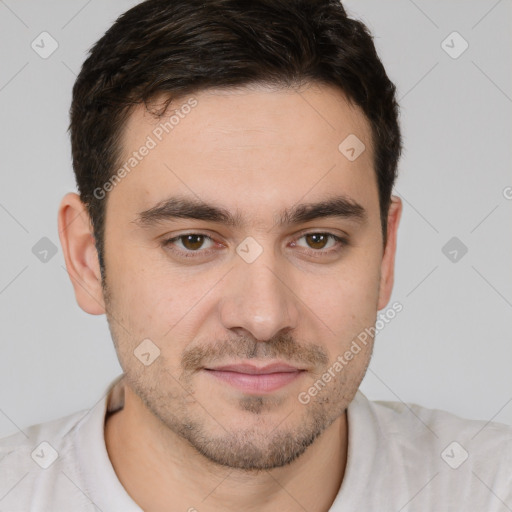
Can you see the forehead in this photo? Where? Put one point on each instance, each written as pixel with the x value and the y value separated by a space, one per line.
pixel 313 115
pixel 250 146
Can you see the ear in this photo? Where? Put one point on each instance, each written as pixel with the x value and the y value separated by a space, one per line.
pixel 77 240
pixel 388 259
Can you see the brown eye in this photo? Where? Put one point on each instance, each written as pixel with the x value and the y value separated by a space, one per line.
pixel 192 242
pixel 321 244
pixel 317 240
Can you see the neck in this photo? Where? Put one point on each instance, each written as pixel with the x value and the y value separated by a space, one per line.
pixel 164 469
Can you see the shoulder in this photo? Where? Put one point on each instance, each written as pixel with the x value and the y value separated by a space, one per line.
pixel 30 436
pixel 413 421
pixel 407 446
pixel 35 457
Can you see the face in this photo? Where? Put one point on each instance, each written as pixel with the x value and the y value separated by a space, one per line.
pixel 246 250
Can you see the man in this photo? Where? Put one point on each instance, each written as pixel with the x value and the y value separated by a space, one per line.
pixel 236 225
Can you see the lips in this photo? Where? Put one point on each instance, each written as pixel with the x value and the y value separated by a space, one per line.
pixel 255 370
pixel 252 379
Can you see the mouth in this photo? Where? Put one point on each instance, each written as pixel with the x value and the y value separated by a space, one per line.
pixel 253 379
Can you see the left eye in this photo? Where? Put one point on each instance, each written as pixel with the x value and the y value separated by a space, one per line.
pixel 319 240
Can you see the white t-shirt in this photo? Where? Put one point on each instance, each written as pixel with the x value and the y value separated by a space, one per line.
pixel 400 458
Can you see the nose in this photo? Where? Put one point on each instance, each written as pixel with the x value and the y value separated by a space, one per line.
pixel 259 299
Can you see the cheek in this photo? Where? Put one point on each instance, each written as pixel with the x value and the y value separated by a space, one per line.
pixel 349 296
pixel 142 300
pixel 159 303
pixel 347 309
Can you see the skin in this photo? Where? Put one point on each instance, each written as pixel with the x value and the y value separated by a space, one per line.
pixel 207 444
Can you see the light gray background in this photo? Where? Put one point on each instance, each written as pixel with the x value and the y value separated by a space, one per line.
pixel 450 348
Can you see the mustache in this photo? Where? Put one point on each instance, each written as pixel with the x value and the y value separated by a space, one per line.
pixel 281 347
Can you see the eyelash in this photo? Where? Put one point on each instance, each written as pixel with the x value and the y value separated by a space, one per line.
pixel 341 242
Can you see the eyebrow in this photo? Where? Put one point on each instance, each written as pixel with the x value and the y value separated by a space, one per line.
pixel 181 207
